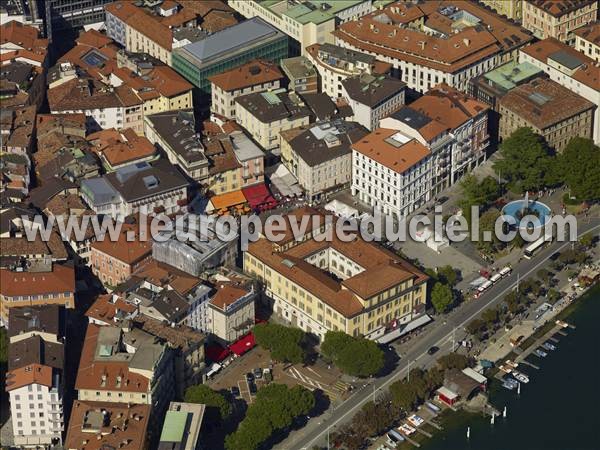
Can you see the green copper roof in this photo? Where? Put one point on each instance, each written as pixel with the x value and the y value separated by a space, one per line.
pixel 174 426
pixel 512 74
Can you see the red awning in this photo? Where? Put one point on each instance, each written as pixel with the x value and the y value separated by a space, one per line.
pixel 258 196
pixel 243 344
pixel 216 353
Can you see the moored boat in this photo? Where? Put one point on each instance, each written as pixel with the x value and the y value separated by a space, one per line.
pixel 509 386
pixel 520 376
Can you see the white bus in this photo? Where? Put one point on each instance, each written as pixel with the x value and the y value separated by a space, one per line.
pixel 532 248
pixel 495 278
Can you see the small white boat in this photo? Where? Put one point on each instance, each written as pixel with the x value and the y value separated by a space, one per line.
pixel 520 377
pixel 416 420
pixel 549 346
pixel 433 407
pixel 406 429
pixel 539 352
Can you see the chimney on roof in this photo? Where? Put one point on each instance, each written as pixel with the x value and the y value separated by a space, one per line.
pixel 466 41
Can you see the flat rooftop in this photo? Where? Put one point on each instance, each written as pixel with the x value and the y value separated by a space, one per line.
pixel 512 74
pixel 311 11
pixel 236 38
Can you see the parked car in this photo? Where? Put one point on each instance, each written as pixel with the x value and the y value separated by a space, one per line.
pixel 268 375
pixel 432 350
pixel 249 377
pixel 235 391
pixel 258 373
pixel 252 387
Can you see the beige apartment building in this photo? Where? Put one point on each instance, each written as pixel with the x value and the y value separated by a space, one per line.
pixel 558 18
pixel 356 287
pixel 509 8
pixel 335 64
pixel 265 114
pixel 138 31
pixel 587 41
pixel 319 155
pixel 303 76
pixel 255 76
pixel 125 367
pixel 306 22
pixel 549 109
pixel 231 312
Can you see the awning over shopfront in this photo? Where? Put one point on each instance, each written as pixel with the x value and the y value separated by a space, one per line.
pixel 259 197
pixel 243 344
pixel 223 202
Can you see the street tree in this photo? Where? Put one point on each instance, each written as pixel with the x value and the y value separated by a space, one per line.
pixel 284 343
pixel 475 326
pixel 356 356
pixel 441 297
pixel 580 166
pixel 448 275
pixel 525 161
pixel 214 401
pixel 490 316
pixel 587 240
pixel 403 395
pixel 453 361
pixel 275 407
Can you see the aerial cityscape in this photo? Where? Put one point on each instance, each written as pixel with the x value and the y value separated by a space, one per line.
pixel 299 224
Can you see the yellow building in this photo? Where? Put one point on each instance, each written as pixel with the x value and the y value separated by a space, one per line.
pixel 356 287
pixel 19 289
pixel 510 8
pixel 266 114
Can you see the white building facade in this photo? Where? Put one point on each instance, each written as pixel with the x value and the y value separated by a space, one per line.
pixel 37 411
pixel 389 184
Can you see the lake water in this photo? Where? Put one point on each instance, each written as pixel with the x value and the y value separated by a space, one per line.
pixel 559 409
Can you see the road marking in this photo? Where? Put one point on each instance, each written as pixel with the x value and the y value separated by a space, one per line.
pixel 440 341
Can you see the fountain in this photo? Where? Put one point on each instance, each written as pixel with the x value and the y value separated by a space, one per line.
pixel 519 209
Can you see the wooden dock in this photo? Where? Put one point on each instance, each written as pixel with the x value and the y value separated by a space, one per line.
pixel 562 333
pixel 553 339
pixel 527 363
pixel 415 443
pixel 424 433
pixel 434 425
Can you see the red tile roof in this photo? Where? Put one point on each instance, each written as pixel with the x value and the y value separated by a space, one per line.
pixel 24 376
pixel 120 147
pixel 401 158
pixel 91 371
pixel 123 250
pixel 143 22
pixel 105 308
pixel 107 425
pixel 61 279
pixel 226 295
pixel 247 75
